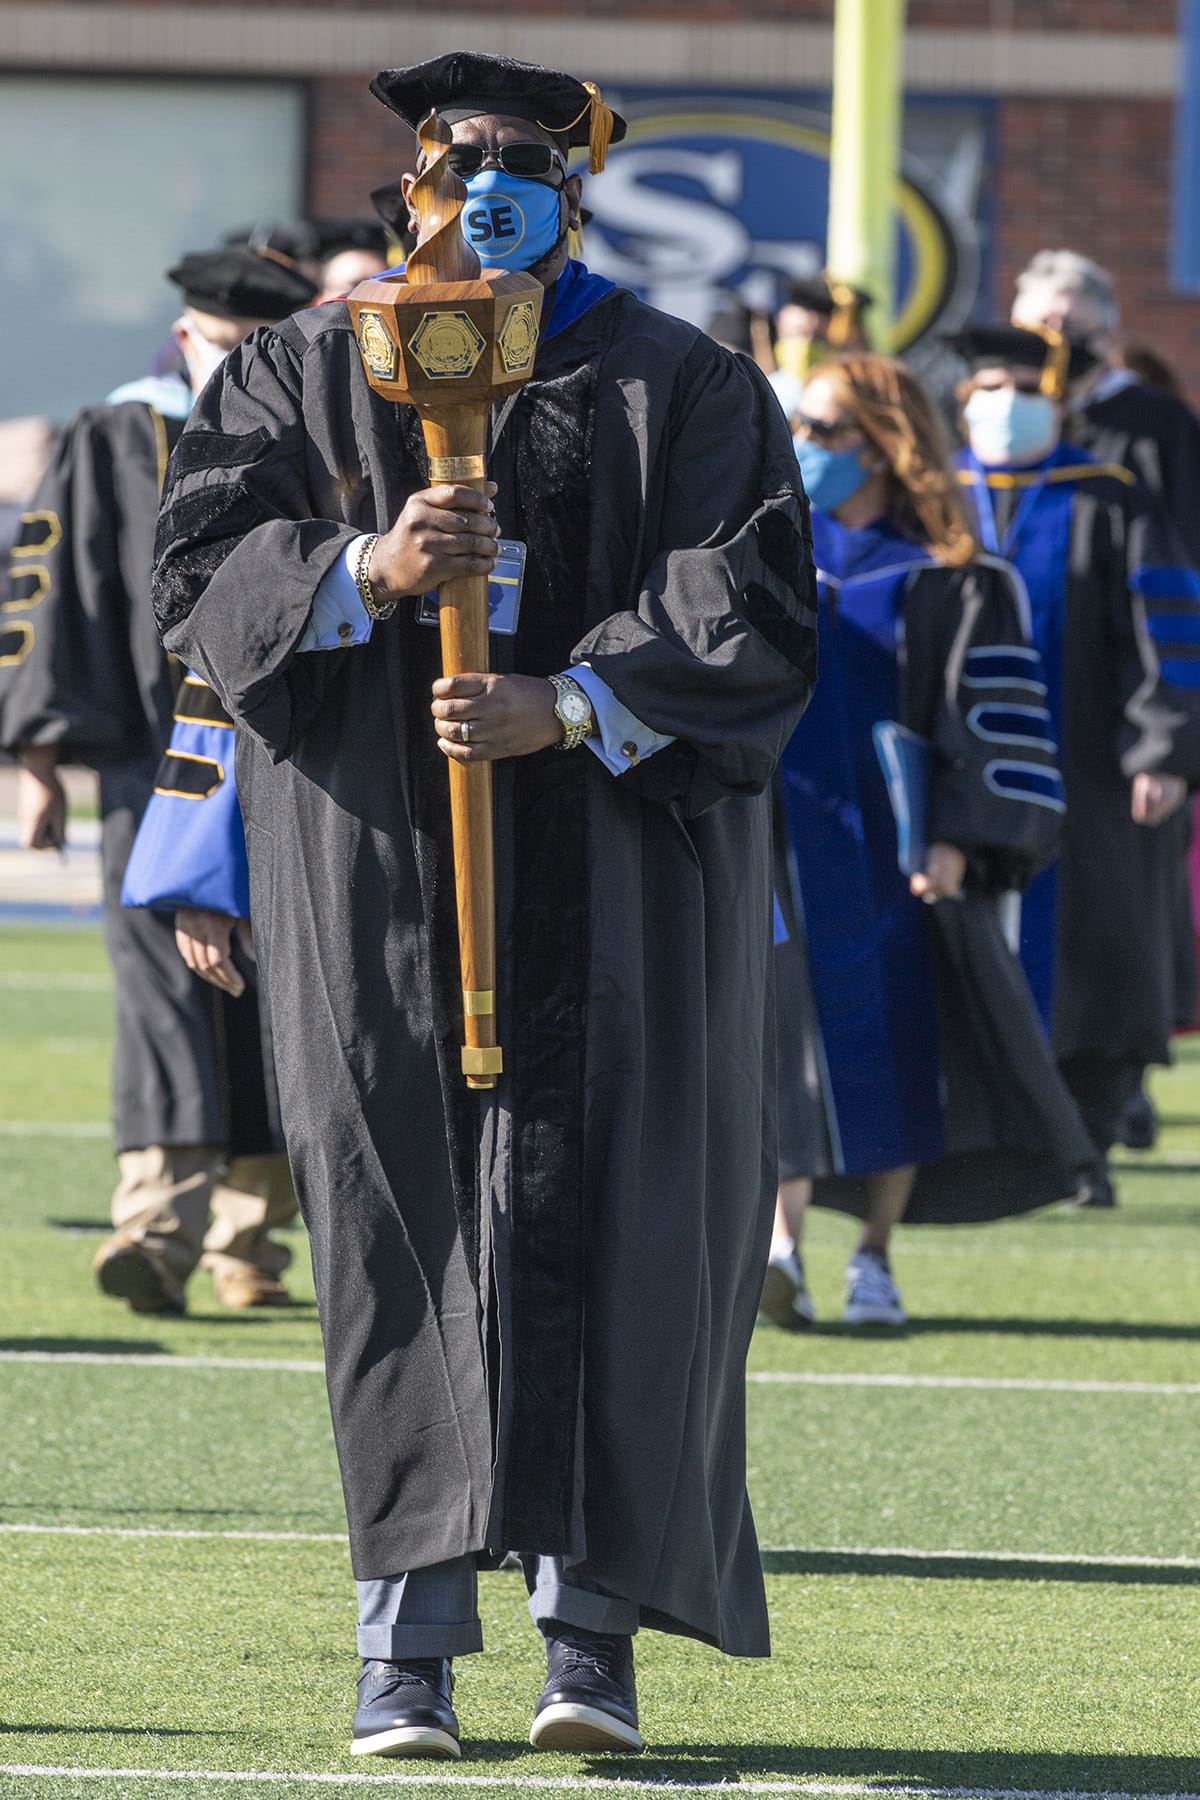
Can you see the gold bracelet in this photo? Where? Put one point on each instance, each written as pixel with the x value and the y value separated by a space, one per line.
pixel 376 609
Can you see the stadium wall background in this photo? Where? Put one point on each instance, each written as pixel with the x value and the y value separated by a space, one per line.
pixel 1083 94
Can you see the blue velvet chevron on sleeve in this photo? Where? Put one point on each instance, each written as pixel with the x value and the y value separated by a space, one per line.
pixel 190 849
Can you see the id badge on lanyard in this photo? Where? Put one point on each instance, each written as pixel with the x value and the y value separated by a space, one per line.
pixel 504 592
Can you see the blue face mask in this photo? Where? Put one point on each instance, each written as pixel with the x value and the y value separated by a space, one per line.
pixel 509 222
pixel 1007 425
pixel 829 476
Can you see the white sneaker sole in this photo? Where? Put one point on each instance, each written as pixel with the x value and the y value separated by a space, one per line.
pixel 782 1304
pixel 894 1316
pixel 409 1740
pixel 566 1726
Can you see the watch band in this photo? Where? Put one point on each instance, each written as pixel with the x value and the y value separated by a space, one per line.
pixel 376 609
pixel 574 732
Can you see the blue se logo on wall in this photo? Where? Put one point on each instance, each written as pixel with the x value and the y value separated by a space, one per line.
pixel 712 196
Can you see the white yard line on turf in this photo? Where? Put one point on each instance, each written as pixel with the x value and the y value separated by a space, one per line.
pixel 150 1360
pixel 761 1377
pixel 909 1553
pixel 51 1129
pixel 1020 1384
pixel 428 1778
pixel 170 1531
pixel 72 984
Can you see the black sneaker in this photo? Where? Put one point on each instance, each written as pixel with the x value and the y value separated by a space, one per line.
pixel 404 1709
pixel 589 1701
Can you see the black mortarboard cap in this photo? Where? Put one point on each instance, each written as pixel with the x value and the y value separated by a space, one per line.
pixel 392 207
pixel 465 83
pixel 821 294
pixel 235 282
pixel 296 239
pixel 731 327
pixel 335 235
pixel 1058 360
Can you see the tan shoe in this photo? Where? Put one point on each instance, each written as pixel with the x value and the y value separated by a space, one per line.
pixel 127 1271
pixel 249 1287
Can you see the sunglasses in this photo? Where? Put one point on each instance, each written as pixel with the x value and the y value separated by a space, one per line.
pixel 822 430
pixel 531 162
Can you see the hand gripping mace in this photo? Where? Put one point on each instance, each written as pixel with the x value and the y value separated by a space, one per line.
pixel 449 340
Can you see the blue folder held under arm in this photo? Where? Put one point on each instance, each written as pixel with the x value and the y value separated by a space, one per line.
pixel 907 763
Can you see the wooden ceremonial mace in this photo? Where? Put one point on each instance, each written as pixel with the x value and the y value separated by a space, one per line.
pixel 450 340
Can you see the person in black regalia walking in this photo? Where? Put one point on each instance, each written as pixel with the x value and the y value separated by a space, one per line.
pixel 1115 611
pixel 1121 419
pixel 536 1302
pixel 919 788
pixel 83 679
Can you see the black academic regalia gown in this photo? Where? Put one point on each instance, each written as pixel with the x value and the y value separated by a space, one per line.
pixel 536 1304
pixel 82 668
pixel 1119 610
pixel 1157 438
pixel 929 1049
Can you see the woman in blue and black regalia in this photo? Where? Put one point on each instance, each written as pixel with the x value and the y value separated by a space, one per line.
pixel 1115 613
pixel 920 786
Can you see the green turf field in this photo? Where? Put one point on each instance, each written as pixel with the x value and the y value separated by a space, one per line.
pixel 983 1537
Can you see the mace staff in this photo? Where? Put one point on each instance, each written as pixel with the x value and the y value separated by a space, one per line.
pixel 451 340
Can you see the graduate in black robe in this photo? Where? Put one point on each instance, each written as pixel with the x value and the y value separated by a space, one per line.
pixel 1115 612
pixel 535 1303
pixel 83 679
pixel 1130 423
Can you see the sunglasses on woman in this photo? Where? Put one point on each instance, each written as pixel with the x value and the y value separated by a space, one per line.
pixel 530 162
pixel 822 430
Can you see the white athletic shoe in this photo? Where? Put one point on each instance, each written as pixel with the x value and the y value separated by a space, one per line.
pixel 785 1299
pixel 872 1297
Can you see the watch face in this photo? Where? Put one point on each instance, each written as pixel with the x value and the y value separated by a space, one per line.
pixel 574 709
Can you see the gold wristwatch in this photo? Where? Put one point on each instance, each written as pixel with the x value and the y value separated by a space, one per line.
pixel 573 710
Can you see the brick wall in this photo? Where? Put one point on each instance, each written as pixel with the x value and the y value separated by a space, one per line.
pixel 1097 179
pixel 963 15
pixel 356 144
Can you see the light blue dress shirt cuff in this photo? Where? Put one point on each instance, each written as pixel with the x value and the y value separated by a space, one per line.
pixel 339 617
pixel 620 740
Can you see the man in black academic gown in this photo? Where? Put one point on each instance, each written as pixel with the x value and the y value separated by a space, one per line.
pixel 536 1302
pixel 1156 436
pixel 1114 616
pixel 83 679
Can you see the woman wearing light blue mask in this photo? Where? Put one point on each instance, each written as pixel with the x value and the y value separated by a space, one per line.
pixel 903 601
pixel 1115 616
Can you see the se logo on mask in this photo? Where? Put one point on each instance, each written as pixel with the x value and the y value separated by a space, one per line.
pixel 496 222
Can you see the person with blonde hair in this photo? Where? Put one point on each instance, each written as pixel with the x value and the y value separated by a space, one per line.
pixel 919 786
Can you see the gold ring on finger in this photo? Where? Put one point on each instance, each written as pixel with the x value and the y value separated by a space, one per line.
pixel 464 731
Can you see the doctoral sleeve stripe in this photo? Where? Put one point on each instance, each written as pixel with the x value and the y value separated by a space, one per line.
pixel 1174 628
pixel 198 704
pixel 204 450
pixel 16 641
pixel 1027 725
pixel 188 777
pixel 1003 665
pixel 1165 581
pixel 1027 782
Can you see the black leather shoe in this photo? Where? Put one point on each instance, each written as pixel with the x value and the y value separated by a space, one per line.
pixel 404 1709
pixel 589 1701
pixel 126 1272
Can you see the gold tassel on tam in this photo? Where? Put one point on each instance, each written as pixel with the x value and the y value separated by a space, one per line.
pixel 1057 365
pixel 600 127
pixel 843 321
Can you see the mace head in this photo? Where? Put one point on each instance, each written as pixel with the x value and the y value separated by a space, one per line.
pixel 438 196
